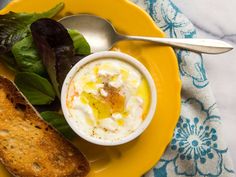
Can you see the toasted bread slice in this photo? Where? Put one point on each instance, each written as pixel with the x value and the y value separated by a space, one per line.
pixel 29 147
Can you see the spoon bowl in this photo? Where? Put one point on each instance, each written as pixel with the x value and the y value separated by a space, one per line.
pixel 99 33
pixel 101 36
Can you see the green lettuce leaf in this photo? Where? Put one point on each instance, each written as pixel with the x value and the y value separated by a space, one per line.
pixel 15 26
pixel 38 90
pixel 80 44
pixel 58 121
pixel 26 56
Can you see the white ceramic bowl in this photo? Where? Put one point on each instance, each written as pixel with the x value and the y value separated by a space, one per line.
pixel 119 56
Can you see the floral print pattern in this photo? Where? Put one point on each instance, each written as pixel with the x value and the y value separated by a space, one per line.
pixel 173 22
pixel 191 66
pixel 196 148
pixel 195 141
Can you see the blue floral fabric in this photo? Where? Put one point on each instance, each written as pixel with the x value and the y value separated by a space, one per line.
pixel 196 148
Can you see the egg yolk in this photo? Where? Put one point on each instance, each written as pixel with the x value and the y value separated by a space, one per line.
pixel 104 107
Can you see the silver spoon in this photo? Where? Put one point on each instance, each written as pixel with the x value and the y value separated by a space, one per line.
pixel 101 36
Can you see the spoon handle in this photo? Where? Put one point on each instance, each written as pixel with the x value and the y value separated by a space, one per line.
pixel 210 46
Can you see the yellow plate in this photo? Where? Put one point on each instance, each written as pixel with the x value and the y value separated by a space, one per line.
pixel 137 157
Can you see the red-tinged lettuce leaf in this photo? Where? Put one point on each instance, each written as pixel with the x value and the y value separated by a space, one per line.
pixel 56 49
pixel 15 26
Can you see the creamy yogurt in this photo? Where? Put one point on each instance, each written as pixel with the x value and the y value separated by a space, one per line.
pixel 108 99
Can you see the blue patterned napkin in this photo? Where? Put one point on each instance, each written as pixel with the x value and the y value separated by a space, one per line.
pixel 197 147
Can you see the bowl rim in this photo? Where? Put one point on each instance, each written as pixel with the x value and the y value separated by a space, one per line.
pixel 110 55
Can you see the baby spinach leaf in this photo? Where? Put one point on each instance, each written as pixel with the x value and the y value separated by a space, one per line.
pixel 54 106
pixel 58 121
pixel 37 89
pixel 26 56
pixel 80 44
pixel 15 26
pixel 56 49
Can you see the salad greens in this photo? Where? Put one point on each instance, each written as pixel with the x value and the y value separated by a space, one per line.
pixel 58 121
pixel 56 49
pixel 15 26
pixel 41 52
pixel 26 56
pixel 9 60
pixel 37 89
pixel 80 44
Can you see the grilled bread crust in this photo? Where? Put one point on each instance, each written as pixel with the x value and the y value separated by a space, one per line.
pixel 29 147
